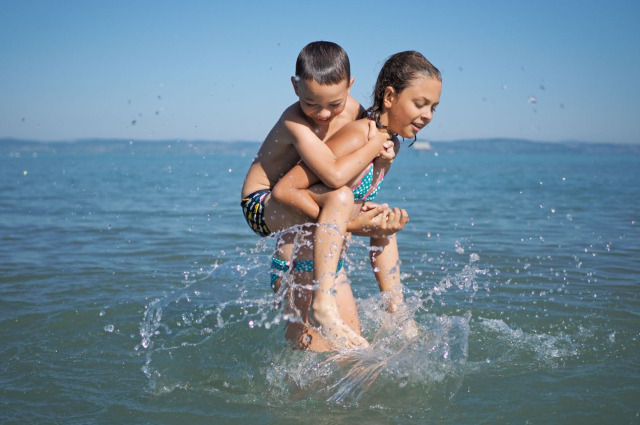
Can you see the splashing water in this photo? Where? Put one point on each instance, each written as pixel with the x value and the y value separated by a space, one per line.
pixel 222 333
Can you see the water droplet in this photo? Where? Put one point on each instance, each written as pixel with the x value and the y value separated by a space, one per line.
pixel 251 324
pixel 532 100
pixel 230 169
pixel 542 87
pixel 474 258
pixel 569 217
pixel 458 248
pixel 102 313
pixel 133 122
pixel 24 172
pixel 403 383
pixel 109 328
pixel 504 87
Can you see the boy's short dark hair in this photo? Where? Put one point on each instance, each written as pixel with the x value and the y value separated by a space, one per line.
pixel 323 61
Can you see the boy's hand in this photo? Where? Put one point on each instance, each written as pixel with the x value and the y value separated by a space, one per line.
pixel 387 154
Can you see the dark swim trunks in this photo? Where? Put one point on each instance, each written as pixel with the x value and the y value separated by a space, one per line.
pixel 253 210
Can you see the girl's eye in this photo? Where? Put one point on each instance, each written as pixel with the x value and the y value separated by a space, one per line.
pixel 433 109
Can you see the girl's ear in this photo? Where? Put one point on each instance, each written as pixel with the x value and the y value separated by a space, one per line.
pixel 295 85
pixel 389 97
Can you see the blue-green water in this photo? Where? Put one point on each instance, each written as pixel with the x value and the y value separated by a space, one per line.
pixel 132 291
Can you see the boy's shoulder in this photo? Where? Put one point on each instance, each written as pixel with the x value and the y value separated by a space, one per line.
pixel 353 110
pixel 294 114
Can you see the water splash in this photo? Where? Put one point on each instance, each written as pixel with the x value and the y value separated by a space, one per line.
pixel 222 333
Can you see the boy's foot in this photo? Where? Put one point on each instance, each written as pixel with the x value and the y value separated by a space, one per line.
pixel 333 328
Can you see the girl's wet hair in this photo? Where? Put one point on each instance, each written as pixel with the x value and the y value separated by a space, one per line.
pixel 323 61
pixel 398 72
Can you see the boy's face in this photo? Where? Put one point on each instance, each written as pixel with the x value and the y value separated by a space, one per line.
pixel 322 103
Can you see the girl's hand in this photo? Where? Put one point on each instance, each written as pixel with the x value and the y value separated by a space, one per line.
pixel 389 222
pixel 368 206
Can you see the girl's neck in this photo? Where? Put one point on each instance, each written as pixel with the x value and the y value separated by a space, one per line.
pixel 384 120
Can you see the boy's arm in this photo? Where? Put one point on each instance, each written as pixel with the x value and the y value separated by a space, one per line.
pixel 332 171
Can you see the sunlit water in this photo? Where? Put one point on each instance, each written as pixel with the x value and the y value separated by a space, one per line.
pixel 132 291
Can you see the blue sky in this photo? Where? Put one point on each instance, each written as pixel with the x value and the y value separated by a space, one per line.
pixel 220 70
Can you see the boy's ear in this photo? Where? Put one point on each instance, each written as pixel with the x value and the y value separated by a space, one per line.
pixel 389 97
pixel 295 85
pixel 350 84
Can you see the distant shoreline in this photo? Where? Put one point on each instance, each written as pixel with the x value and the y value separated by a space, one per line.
pixel 496 145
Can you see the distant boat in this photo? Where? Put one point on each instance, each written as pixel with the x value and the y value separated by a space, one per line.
pixel 422 146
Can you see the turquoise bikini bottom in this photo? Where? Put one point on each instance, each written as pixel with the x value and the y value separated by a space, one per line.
pixel 298 266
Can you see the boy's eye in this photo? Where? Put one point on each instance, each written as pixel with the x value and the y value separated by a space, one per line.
pixel 335 105
pixel 310 104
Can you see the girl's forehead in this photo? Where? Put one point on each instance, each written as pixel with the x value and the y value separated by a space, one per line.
pixel 427 86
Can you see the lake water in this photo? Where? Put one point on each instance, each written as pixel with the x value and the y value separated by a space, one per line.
pixel 132 291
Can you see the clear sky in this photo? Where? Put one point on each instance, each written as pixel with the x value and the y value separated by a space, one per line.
pixel 211 70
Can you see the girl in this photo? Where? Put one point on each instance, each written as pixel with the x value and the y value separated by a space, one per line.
pixel 405 97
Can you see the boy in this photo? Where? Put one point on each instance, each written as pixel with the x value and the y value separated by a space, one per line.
pixel 322 83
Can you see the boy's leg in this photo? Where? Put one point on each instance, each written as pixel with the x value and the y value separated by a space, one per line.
pixel 336 206
pixel 328 242
pixel 300 296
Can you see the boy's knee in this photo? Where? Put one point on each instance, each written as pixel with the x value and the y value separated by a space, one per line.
pixel 344 195
pixel 280 194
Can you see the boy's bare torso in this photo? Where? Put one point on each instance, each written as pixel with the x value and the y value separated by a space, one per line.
pixel 278 155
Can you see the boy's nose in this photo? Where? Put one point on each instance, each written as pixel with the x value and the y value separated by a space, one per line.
pixel 324 114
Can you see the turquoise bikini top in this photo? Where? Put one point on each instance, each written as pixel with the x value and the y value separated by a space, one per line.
pixel 364 191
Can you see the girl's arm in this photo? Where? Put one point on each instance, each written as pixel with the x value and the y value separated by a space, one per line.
pixel 333 169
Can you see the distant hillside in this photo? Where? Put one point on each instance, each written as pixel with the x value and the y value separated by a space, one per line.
pixel 203 147
pixel 528 146
pixel 97 146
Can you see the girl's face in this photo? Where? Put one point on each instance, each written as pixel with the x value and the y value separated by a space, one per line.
pixel 412 109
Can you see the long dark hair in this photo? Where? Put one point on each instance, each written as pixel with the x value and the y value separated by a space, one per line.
pixel 398 72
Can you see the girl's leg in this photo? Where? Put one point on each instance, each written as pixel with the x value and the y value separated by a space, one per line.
pixel 385 262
